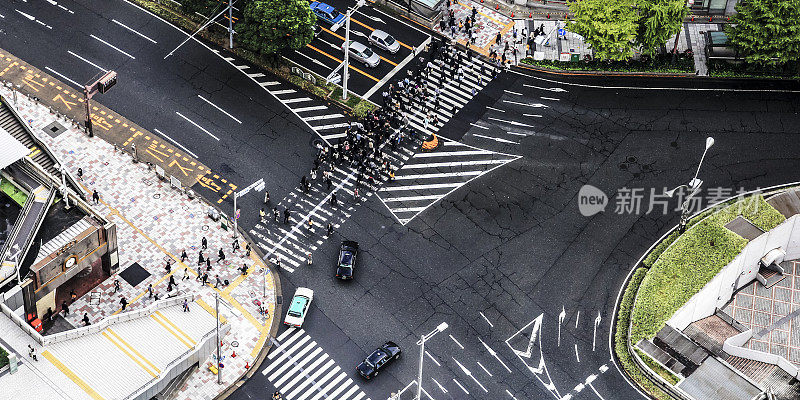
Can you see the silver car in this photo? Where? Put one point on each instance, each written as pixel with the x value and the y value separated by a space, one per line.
pixel 363 53
pixel 385 41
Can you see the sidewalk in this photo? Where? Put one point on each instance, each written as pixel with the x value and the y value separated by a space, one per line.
pixel 489 23
pixel 695 41
pixel 154 224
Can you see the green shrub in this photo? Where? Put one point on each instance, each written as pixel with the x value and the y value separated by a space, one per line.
pixel 3 358
pixel 661 63
pixel 723 68
pixel 693 259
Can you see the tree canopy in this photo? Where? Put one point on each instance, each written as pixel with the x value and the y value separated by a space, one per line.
pixel 609 26
pixel 766 31
pixel 272 25
pixel 657 21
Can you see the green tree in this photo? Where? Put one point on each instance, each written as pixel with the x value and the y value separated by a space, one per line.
pixel 272 25
pixel 658 20
pixel 609 26
pixel 204 7
pixel 767 31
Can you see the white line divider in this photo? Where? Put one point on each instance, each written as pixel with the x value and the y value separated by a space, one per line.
pixel 112 46
pixel 87 61
pixel 173 141
pixel 195 124
pixel 133 30
pixel 64 77
pixel 218 108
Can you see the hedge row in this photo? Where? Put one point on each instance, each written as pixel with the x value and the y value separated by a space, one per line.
pixel 3 358
pixel 662 64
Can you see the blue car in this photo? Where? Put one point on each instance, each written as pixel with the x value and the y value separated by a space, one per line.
pixel 326 13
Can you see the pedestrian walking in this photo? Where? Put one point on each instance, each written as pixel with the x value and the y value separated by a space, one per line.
pixel 96 197
pixel 221 255
pixel 80 174
pixel 309 259
pixel 32 353
pixel 200 258
pixel 474 12
pixel 266 196
pixel 185 273
pixel 355 194
pixel 262 215
pixel 217 281
pixel 276 213
pixel 183 255
pixel 236 245
pixel 65 308
pixel 168 267
pixel 498 39
pixel 286 216
pixel 149 290
pixel 204 280
pixel 85 319
pixel 208 264
pixel 278 263
pixel 247 250
pixel 172 280
pixel 313 174
pixel 116 285
pixel 185 305
pixel 330 228
pixel 124 302
pixel 334 202
pixel 204 243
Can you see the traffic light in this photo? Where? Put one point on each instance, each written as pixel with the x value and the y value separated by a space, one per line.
pixel 107 81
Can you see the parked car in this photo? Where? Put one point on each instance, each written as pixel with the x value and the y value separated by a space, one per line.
pixel 363 54
pixel 348 253
pixel 385 41
pixel 326 12
pixel 298 308
pixel 375 362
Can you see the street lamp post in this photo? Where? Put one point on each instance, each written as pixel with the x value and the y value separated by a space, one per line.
pixel 421 344
pixel 346 62
pixel 693 187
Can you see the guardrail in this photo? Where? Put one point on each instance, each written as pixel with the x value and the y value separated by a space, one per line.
pixel 17 320
pixel 122 317
pixel 733 346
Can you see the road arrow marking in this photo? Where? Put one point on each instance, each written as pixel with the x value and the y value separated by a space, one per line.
pixel 560 320
pixel 596 322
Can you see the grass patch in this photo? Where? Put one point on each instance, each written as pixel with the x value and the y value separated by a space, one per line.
pixel 661 64
pixel 694 258
pixel 13 192
pixel 621 338
pixel 3 358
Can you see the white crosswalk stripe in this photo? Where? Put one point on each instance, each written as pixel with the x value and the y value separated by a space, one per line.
pixel 283 91
pixel 300 369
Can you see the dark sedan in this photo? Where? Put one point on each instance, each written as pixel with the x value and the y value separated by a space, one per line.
pixel 379 358
pixel 347 259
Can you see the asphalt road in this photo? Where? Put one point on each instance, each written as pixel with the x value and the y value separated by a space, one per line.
pixel 500 258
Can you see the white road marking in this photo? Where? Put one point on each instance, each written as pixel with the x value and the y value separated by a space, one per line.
pixel 408 209
pixel 272 83
pixel 64 77
pixel 296 100
pixel 454 339
pixel 512 396
pixel 112 46
pixel 283 91
pixel 484 369
pixel 533 115
pixel 468 373
pixel 452 153
pixel 550 98
pixel 517 133
pixel 432 358
pixel 510 92
pixel 595 392
pixel 454 163
pixel 428 186
pixel 331 126
pixel 510 122
pixel 314 60
pixel 32 18
pixel 133 30
pixel 495 139
pixel 542 88
pixel 535 105
pixel 2 16
pixel 87 61
pixel 310 108
pixel 577 357
pixel 242 67
pixel 325 116
pixel 195 124
pixel 476 125
pixel 437 175
pixel 173 141
pixel 486 319
pixel 412 198
pixel 218 108
pixel 256 75
pixel 439 385
pixel 495 109
pixel 494 354
pixel 603 368
pixel 287 332
pixel 334 136
pixel 577 317
pixel 459 385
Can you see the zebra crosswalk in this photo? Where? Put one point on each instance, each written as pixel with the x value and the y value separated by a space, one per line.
pixel 427 177
pixel 301 370
pixel 311 212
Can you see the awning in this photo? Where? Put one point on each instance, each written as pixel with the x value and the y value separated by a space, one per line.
pixel 11 150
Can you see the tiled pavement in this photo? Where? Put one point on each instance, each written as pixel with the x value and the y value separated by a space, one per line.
pixel 772 313
pixel 154 223
pixel 489 23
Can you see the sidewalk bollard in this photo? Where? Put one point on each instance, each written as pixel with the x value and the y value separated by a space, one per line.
pixel 530 15
pixel 497 7
pixel 247 365
pixel 548 15
pixel 710 19
pixel 512 14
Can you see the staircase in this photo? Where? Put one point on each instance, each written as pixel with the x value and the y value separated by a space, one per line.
pixel 12 125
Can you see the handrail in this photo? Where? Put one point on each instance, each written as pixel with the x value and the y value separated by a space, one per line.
pixel 17 320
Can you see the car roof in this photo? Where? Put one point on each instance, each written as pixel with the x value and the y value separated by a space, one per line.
pixel 357 46
pixel 379 33
pixel 302 291
pixel 298 302
pixel 323 7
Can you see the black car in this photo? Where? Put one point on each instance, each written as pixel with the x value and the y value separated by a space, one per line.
pixel 373 364
pixel 347 259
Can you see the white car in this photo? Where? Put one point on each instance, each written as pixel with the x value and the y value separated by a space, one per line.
pixel 363 54
pixel 383 40
pixel 298 308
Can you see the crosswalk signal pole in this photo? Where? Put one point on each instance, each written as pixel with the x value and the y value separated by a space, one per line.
pixel 230 22
pixel 219 362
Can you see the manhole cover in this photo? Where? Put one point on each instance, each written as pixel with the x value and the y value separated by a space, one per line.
pixel 235 343
pixel 205 227
pixel 157 196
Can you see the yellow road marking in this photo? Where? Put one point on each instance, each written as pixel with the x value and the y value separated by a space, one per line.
pixel 210 310
pixel 342 39
pixel 182 340
pixel 372 29
pixel 127 353
pixel 71 375
pixel 132 349
pixel 167 320
pixel 339 61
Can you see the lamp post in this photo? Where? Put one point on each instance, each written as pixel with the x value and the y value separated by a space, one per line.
pixel 693 186
pixel 346 62
pixel 421 344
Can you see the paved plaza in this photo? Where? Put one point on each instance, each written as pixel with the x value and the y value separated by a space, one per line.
pixel 155 223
